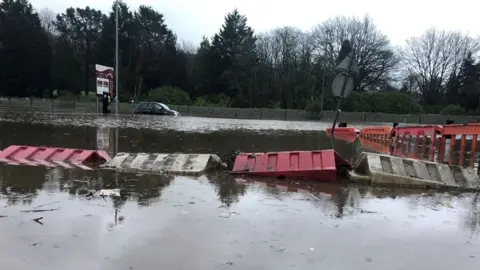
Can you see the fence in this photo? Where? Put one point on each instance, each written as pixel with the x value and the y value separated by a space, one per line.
pixel 242 113
pixel 45 104
pixel 440 141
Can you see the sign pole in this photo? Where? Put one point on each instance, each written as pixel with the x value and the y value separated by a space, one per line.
pixel 323 86
pixel 116 58
pixel 344 86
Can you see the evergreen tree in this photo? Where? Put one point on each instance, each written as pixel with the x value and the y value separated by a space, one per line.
pixel 469 83
pixel 453 87
pixel 25 55
pixel 82 27
pixel 233 52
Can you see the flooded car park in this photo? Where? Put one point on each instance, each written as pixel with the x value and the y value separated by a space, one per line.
pixel 51 219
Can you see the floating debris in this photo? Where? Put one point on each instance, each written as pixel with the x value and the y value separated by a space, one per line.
pixel 108 192
pixel 37 220
pixel 40 210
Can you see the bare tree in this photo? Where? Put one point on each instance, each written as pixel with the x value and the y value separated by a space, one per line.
pixel 287 53
pixel 286 45
pixel 376 57
pixel 187 47
pixel 433 57
pixel 47 19
pixel 189 51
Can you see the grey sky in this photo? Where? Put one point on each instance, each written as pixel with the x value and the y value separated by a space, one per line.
pixel 191 19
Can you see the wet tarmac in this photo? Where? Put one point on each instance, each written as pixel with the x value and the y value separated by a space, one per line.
pixel 51 218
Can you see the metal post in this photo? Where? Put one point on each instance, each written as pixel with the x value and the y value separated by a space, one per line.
pixel 339 104
pixel 328 32
pixel 116 58
pixel 116 140
pixel 323 86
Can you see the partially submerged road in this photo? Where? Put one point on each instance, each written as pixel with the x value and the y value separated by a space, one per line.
pixel 50 218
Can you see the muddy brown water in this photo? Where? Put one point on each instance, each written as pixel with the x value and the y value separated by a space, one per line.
pixel 49 220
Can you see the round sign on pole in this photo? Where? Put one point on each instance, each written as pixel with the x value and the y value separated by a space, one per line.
pixel 338 82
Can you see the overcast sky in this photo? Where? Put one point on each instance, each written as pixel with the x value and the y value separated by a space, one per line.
pixel 192 19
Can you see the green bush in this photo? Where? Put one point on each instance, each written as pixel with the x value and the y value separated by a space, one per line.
pixel 66 95
pixel 381 102
pixel 216 101
pixel 169 95
pixel 314 107
pixel 453 109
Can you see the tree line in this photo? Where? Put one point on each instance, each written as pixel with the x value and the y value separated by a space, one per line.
pixel 43 54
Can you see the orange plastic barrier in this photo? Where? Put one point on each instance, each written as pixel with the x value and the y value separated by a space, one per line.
pixel 381 147
pixel 385 147
pixel 381 133
pixel 343 131
pixel 349 135
pixel 450 132
pixel 405 135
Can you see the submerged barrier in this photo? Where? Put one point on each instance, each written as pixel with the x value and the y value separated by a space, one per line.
pixel 397 165
pixel 53 157
pixel 320 165
pixel 380 169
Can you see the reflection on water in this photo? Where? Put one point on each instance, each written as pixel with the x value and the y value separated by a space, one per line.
pixel 168 141
pixel 21 185
pixel 190 214
pixel 52 218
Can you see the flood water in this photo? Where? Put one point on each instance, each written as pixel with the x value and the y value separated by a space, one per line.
pixel 49 218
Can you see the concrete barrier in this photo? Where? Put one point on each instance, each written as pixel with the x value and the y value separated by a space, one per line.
pixel 185 164
pixel 380 169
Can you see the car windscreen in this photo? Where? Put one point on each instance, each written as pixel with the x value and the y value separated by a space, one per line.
pixel 164 106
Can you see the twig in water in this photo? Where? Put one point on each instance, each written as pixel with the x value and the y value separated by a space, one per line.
pixel 38 220
pixel 43 205
pixel 80 181
pixel 40 210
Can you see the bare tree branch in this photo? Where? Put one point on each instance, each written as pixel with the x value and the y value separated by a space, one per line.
pixel 433 57
pixel 376 57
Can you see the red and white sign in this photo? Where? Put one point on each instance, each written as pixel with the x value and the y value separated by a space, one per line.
pixel 104 77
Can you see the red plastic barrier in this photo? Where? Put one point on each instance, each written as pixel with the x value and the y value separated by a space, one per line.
pixel 52 156
pixel 405 135
pixel 313 165
pixel 381 133
pixel 450 132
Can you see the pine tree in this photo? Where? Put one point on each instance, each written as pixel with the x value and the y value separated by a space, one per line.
pixel 25 54
pixel 469 83
pixel 234 54
pixel 453 86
